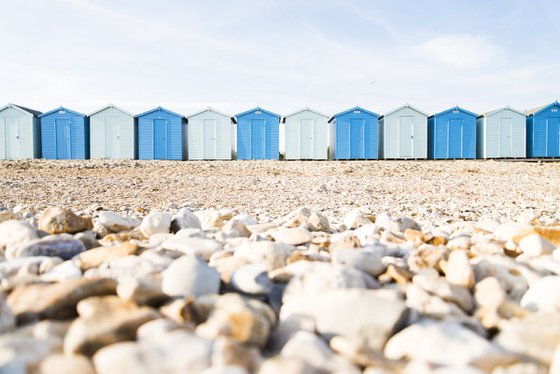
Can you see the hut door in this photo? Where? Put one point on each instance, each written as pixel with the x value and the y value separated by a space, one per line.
pixel 505 137
pixel 112 137
pixel 160 139
pixel 455 140
pixel 306 139
pixel 12 135
pixel 258 139
pixel 63 138
pixel 343 140
pixel 210 135
pixel 406 136
pixel 356 138
pixel 553 137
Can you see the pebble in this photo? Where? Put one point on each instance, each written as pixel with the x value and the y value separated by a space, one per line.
pixel 97 256
pixel 116 223
pixel 204 248
pixel 16 232
pixel 62 364
pixel 156 223
pixel 184 219
pixel 271 254
pixel 59 221
pixel 367 262
pixel 190 276
pixel 251 279
pixel 50 247
pixel 458 270
pixel 535 245
pixel 356 218
pixel 293 236
pixel 543 295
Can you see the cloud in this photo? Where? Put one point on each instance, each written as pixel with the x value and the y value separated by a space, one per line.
pixel 463 51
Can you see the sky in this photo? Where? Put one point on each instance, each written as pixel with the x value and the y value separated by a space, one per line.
pixel 281 55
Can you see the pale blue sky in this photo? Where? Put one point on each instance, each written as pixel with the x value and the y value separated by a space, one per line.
pixel 281 55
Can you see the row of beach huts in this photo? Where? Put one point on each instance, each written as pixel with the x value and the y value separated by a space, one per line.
pixel 357 133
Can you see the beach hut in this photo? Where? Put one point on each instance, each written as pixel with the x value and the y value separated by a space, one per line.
pixel 501 134
pixel 112 133
pixel 209 135
pixel 64 135
pixel 452 134
pixel 306 135
pixel 258 135
pixel 162 135
pixel 543 131
pixel 404 134
pixel 354 135
pixel 20 136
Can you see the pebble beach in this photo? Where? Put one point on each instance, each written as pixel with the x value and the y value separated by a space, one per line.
pixel 267 267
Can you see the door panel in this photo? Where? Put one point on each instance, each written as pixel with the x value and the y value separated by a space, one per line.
pixel 258 139
pixel 343 140
pixel 553 138
pixel 63 138
pixel 505 146
pixel 160 139
pixel 210 139
pixel 455 140
pixel 111 137
pixel 12 136
pixel 406 136
pixel 306 139
pixel 357 138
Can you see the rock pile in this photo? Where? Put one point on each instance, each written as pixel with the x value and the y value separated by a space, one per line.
pixel 221 292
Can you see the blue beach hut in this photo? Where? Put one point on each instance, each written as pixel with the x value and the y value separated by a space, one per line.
pixel 452 134
pixel 354 135
pixel 543 131
pixel 258 135
pixel 64 134
pixel 162 135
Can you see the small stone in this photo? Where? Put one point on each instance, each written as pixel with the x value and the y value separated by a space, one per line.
pixel 318 222
pixel 21 353
pixel 156 223
pixel 555 365
pixel 251 279
pixel 235 229
pixel 430 281
pixel 156 327
pixel 228 351
pixel 273 255
pixel 204 248
pixel 356 218
pixel 181 310
pixel 59 221
pixel 225 370
pixel 401 224
pixel 190 276
pixel 458 270
pixel 6 215
pixel 50 247
pixel 535 245
pixel 415 236
pixel 293 236
pixel 551 234
pixel 116 223
pixel 61 364
pixel 184 219
pixel 62 272
pixel 142 291
pixel 103 321
pixel 16 232
pixel 7 319
pixel 396 273
pixel 445 343
pixel 367 262
pixel 96 256
pixel 209 219
pixel 460 242
pixel 55 301
pixel 543 295
pixel 512 230
pixel 523 368
pixel 282 365
pixel 88 238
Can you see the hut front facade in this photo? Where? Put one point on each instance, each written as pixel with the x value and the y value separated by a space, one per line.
pixel 354 135
pixel 209 135
pixel 404 134
pixel 306 135
pixel 543 131
pixel 452 134
pixel 162 135
pixel 20 136
pixel 112 133
pixel 64 135
pixel 258 135
pixel 501 134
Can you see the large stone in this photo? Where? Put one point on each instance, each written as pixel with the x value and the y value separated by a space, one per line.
pixel 103 321
pixel 173 352
pixel 50 247
pixel 228 352
pixel 356 218
pixel 59 221
pixel 22 353
pixel 204 248
pixel 62 272
pixel 55 301
pixel 371 316
pixel 209 219
pixel 293 236
pixel 458 270
pixel 156 223
pixel 251 279
pixel 543 295
pixel 142 291
pixel 368 262
pixel 535 336
pixel 117 223
pixel 63 364
pixel 16 232
pixel 96 256
pixel 430 281
pixel 184 219
pixel 272 254
pixel 6 215
pixel 445 343
pixel 555 366
pixel 190 276
pixel 7 319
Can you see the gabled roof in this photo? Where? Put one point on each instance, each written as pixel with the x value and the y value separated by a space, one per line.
pixel 541 108
pixel 64 109
pixel 507 107
pixel 35 113
pixel 162 109
pixel 350 111
pixel 402 107
pixel 255 109
pixel 210 109
pixel 306 109
pixel 110 106
pixel 453 109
